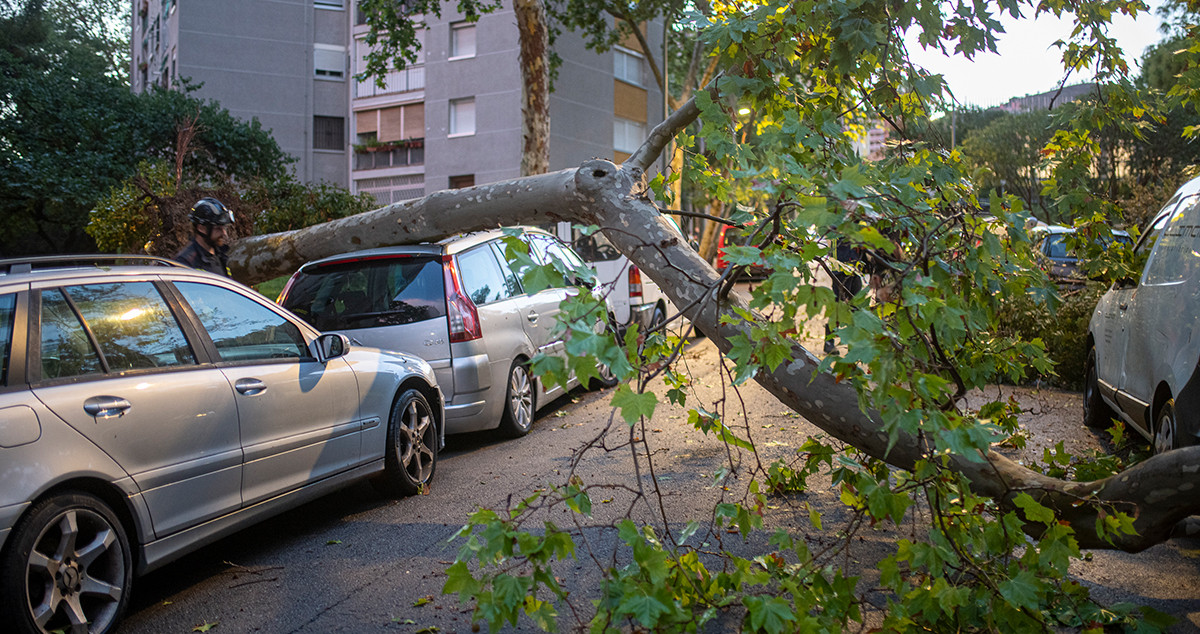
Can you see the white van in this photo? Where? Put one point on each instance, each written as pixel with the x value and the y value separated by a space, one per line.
pixel 1144 336
pixel 633 297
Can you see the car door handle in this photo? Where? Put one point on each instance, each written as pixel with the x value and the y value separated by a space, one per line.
pixel 250 387
pixel 106 406
pixel 532 317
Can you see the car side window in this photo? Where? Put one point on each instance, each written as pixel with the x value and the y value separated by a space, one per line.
pixel 1175 240
pixel 512 285
pixel 65 346
pixel 132 325
pixel 8 311
pixel 482 278
pixel 241 328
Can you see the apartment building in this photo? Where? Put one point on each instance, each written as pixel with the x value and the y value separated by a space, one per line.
pixel 452 119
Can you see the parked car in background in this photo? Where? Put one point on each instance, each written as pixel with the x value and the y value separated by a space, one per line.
pixel 146 410
pixel 1144 336
pixel 1050 242
pixel 634 298
pixel 459 305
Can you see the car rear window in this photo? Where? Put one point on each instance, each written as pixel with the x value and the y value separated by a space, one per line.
pixel 369 293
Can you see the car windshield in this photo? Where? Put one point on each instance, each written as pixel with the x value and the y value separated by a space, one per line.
pixel 388 291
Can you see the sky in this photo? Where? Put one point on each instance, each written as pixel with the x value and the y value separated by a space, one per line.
pixel 1027 63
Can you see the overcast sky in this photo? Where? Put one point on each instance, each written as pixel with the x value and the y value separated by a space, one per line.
pixel 1027 63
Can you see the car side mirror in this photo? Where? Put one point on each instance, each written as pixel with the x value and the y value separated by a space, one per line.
pixel 331 346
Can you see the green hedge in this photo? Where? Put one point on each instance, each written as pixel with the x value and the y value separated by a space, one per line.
pixel 1063 329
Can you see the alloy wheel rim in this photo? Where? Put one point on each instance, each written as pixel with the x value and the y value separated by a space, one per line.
pixel 1164 434
pixel 417 452
pixel 521 397
pixel 75 573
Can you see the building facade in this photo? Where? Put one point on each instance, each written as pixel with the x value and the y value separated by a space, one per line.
pixel 451 119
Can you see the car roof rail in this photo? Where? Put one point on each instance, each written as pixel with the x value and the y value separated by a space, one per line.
pixel 40 262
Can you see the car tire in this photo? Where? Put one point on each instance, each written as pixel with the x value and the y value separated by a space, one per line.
pixel 1096 413
pixel 606 379
pixel 67 565
pixel 1166 428
pixel 410 458
pixel 658 318
pixel 517 418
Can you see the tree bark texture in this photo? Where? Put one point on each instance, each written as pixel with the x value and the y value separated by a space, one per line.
pixel 534 41
pixel 1158 493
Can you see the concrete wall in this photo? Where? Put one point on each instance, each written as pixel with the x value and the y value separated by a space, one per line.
pixel 255 58
pixel 493 78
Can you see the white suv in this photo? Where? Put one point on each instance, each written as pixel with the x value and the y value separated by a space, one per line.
pixel 1144 336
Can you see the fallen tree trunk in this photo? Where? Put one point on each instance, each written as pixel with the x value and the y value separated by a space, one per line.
pixel 1158 493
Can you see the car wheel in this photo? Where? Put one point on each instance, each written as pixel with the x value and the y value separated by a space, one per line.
pixel 606 379
pixel 1166 428
pixel 658 318
pixel 518 402
pixel 1096 413
pixel 412 446
pixel 67 568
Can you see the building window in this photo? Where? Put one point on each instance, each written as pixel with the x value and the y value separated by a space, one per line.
pixel 627 66
pixel 329 133
pixel 462 181
pixel 462 116
pixel 329 4
pixel 329 61
pixel 627 135
pixel 462 40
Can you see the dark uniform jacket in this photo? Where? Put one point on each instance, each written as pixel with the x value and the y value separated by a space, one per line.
pixel 198 257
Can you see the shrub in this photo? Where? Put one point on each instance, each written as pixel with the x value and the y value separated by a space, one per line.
pixel 1061 325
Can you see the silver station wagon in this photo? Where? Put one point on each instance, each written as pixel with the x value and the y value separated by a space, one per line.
pixel 146 410
pixel 459 305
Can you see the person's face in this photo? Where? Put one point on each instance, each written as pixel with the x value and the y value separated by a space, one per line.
pixel 217 236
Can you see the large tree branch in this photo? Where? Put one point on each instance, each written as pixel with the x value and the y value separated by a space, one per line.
pixel 1157 493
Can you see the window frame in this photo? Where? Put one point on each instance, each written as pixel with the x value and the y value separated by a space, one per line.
pixel 327 73
pixel 462 27
pixel 627 123
pixel 452 130
pixel 341 134
pixel 330 5
pixel 620 70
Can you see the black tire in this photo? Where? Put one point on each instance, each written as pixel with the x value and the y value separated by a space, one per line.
pixel 658 318
pixel 67 566
pixel 518 402
pixel 1166 428
pixel 606 379
pixel 410 458
pixel 1096 413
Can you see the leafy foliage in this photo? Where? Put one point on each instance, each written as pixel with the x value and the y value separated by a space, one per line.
pixel 73 131
pixel 949 283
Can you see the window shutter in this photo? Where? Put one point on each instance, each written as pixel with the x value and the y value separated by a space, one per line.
pixel 414 121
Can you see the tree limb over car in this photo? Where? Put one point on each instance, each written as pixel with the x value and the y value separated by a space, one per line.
pixel 1157 493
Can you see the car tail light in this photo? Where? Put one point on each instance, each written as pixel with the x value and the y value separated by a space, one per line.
pixel 635 281
pixel 461 311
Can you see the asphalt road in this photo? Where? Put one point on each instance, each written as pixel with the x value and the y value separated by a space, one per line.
pixel 358 562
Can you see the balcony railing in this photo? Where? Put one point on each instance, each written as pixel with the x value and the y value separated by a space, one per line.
pixel 396 81
pixel 379 158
